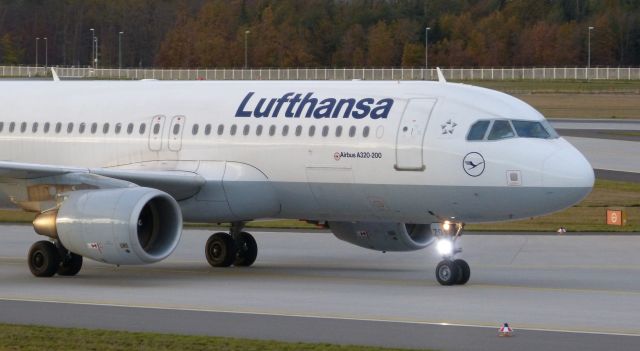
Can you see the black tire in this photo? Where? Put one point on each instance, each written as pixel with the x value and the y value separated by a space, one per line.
pixel 44 259
pixel 447 272
pixel 465 270
pixel 220 250
pixel 247 250
pixel 70 265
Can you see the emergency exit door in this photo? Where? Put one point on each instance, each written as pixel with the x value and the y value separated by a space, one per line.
pixel 411 134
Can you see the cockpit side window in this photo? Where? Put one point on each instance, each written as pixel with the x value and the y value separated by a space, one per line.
pixel 501 129
pixel 530 129
pixel 478 130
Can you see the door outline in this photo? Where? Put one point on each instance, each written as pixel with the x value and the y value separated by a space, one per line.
pixel 175 135
pixel 155 135
pixel 411 134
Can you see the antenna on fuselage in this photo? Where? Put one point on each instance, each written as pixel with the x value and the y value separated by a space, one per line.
pixel 55 75
pixel 441 78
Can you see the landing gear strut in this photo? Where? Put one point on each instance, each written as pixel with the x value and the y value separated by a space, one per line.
pixel 238 248
pixel 47 258
pixel 450 271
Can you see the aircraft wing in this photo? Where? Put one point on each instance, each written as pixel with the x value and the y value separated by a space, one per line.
pixel 21 181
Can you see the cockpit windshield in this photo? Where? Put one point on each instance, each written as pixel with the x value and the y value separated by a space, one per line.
pixel 504 129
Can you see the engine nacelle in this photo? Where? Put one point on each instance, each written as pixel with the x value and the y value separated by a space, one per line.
pixel 384 236
pixel 119 226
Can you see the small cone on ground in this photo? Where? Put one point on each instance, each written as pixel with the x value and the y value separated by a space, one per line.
pixel 505 330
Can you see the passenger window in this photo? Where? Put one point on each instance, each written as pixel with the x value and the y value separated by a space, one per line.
pixel 12 127
pixel 234 128
pixel 259 130
pixel 530 129
pixel 1 126
pixel 47 125
pixel 298 130
pixel 143 127
pixel 94 128
pixel 195 128
pixel 70 127
pixel 285 130
pixel 58 127
pixel 478 130
pixel 365 132
pixel 207 129
pixel 272 130
pixel 34 128
pixel 130 128
pixel 23 127
pixel 82 127
pixel 118 128
pixel 339 131
pixel 220 129
pixel 312 130
pixel 156 129
pixel 325 131
pixel 105 128
pixel 245 130
pixel 501 130
pixel 352 131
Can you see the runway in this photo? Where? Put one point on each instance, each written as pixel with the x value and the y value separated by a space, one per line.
pixel 577 292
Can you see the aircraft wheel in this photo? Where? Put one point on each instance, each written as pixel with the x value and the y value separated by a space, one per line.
pixel 465 271
pixel 220 250
pixel 247 250
pixel 70 265
pixel 447 272
pixel 44 259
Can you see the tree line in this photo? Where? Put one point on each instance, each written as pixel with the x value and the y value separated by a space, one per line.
pixel 321 33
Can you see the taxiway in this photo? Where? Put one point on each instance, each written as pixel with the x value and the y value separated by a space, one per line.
pixel 567 291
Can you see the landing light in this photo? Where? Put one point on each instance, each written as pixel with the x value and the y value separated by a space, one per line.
pixel 444 247
pixel 446 225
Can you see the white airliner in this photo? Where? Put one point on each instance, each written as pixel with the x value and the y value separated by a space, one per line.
pixel 113 168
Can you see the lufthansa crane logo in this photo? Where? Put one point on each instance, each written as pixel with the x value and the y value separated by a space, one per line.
pixel 473 164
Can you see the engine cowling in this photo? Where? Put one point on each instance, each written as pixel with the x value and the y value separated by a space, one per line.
pixel 119 226
pixel 384 236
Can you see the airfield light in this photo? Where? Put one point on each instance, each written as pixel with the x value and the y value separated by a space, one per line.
pixel 589 49
pixel 426 47
pixel 444 247
pixel 246 46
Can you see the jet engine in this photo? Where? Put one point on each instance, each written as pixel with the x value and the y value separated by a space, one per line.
pixel 119 226
pixel 384 236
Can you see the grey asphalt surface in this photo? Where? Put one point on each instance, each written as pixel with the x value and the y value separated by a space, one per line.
pixel 557 291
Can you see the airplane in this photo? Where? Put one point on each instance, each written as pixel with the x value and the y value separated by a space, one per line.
pixel 113 168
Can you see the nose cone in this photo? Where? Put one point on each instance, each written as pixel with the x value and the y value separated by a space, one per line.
pixel 569 172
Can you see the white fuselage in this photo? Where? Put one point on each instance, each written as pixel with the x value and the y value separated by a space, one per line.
pixel 400 155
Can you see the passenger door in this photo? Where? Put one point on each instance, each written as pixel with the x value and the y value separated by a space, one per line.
pixel 175 133
pixel 156 132
pixel 411 134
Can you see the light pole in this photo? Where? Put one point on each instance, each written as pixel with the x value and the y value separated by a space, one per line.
pixel 96 59
pixel 37 51
pixel 120 49
pixel 46 52
pixel 246 46
pixel 426 48
pixel 589 50
pixel 93 42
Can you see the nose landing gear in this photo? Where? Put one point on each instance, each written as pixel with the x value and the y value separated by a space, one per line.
pixel 450 271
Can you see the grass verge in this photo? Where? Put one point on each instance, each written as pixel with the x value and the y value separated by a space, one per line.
pixel 19 337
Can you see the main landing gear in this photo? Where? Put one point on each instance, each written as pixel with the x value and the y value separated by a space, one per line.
pixel 451 271
pixel 47 258
pixel 237 248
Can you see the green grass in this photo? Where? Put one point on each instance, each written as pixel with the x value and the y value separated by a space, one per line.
pixel 17 337
pixel 560 86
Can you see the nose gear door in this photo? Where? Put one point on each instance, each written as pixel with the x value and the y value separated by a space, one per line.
pixel 411 134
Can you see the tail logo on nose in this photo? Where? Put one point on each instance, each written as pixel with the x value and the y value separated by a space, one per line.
pixel 473 164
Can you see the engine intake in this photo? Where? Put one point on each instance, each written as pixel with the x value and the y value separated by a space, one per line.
pixel 118 226
pixel 384 236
